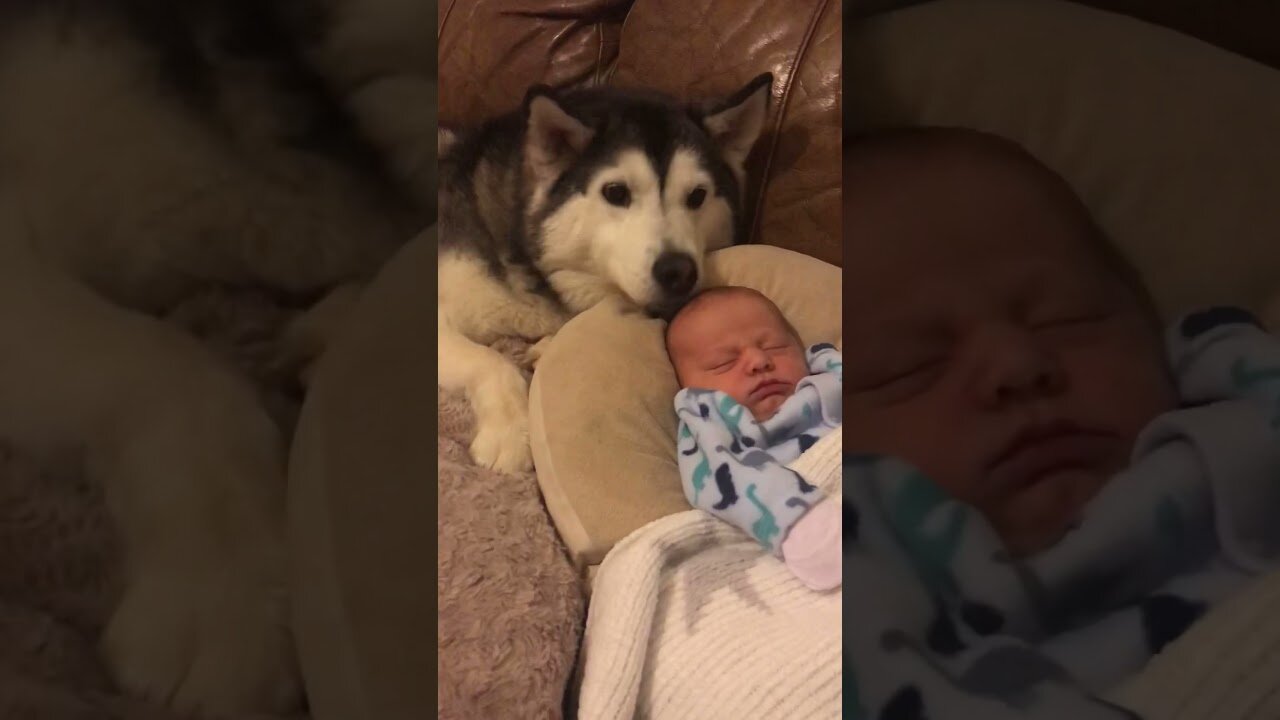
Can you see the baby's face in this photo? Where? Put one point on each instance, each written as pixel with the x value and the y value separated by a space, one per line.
pixel 738 344
pixel 992 346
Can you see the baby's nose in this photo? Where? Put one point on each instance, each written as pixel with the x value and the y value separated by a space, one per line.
pixel 1032 379
pixel 1013 367
pixel 759 360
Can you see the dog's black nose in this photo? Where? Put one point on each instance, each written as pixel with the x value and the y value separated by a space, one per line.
pixel 676 273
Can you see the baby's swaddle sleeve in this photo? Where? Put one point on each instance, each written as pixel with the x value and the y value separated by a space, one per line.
pixel 1223 353
pixel 825 358
pixel 727 473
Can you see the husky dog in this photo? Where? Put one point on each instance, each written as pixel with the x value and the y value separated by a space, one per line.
pixel 148 149
pixel 580 195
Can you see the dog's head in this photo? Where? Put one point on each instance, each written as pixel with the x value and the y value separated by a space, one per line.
pixel 632 189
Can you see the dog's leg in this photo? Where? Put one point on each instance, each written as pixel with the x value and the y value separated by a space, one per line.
pixel 193 473
pixel 531 356
pixel 499 397
pixel 308 336
pixel 195 484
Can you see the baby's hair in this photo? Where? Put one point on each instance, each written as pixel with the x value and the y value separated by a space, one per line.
pixel 859 147
pixel 711 293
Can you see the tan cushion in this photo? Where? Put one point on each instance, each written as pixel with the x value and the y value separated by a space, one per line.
pixel 1171 141
pixel 602 424
pixel 361 481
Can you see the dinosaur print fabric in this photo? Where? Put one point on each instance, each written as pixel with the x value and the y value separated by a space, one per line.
pixel 735 467
pixel 941 623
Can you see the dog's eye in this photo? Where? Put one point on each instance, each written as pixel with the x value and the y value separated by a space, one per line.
pixel 696 197
pixel 616 194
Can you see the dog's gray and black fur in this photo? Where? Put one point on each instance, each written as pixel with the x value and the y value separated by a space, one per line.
pixel 578 196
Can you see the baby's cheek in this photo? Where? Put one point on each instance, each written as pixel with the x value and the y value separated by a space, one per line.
pixel 883 431
pixel 935 440
pixel 716 381
pixel 738 396
pixel 1123 390
pixel 797 369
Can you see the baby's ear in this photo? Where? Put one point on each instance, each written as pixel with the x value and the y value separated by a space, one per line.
pixel 840 343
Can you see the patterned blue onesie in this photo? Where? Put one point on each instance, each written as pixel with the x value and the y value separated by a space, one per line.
pixel 751 487
pixel 950 626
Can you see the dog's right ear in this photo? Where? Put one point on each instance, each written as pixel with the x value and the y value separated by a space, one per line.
pixel 445 140
pixel 553 137
pixel 736 123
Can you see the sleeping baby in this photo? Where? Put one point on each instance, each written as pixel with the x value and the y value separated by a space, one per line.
pixel 1048 487
pixel 753 400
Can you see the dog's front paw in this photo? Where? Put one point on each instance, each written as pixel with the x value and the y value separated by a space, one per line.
pixel 532 354
pixel 202 640
pixel 504 448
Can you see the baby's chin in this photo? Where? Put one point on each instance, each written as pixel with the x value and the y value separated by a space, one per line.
pixel 767 407
pixel 1040 516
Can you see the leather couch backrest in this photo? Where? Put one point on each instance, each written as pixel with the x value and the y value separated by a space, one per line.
pixel 492 50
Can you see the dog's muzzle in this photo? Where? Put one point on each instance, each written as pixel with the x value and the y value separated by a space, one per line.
pixel 676 273
pixel 676 277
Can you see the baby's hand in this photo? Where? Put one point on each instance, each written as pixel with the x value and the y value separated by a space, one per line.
pixel 812 549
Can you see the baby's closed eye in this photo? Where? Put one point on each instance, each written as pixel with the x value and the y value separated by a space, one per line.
pixel 1058 302
pixel 899 378
pixel 721 364
pixel 1078 314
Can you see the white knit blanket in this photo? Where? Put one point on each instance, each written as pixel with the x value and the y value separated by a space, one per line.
pixel 1226 667
pixel 691 618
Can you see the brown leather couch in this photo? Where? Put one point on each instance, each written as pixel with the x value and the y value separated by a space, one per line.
pixel 1246 27
pixel 492 50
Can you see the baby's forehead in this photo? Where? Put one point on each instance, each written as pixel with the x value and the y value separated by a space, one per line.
pixel 925 196
pixel 720 298
pixel 911 147
pixel 935 160
pixel 719 302
pixel 705 311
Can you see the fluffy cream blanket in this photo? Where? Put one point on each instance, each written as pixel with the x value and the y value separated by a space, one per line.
pixel 511 604
pixel 58 550
pixel 692 619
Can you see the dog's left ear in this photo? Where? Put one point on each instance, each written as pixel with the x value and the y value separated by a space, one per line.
pixel 736 122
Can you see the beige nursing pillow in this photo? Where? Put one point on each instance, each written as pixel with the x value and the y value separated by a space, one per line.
pixel 602 424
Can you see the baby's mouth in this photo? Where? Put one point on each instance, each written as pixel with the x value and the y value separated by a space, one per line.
pixel 769 388
pixel 1043 453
